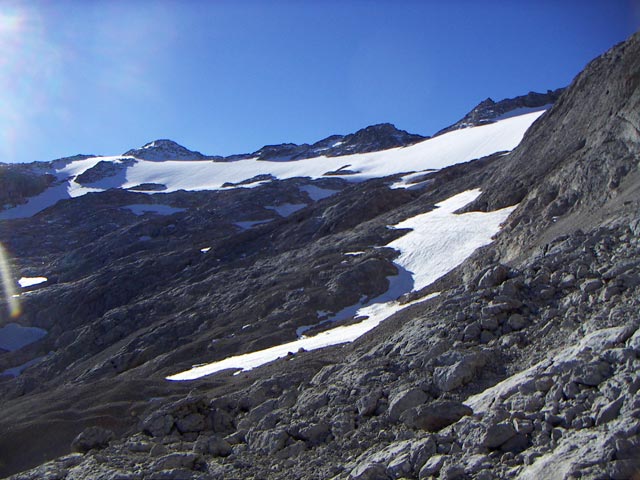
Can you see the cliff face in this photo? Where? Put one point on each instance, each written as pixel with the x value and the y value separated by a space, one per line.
pixel 578 166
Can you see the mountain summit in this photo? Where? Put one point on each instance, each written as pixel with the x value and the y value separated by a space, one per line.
pixel 489 110
pixel 165 149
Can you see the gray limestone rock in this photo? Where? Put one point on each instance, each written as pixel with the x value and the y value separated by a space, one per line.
pixel 435 416
pixel 92 438
pixel 496 435
pixel 404 400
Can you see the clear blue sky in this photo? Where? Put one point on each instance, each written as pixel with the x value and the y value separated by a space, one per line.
pixel 227 77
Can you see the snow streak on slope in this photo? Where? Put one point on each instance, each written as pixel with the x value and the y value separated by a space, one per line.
pixel 440 241
pixel 442 151
pixel 25 282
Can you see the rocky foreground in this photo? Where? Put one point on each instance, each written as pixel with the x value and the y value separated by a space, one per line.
pixel 521 363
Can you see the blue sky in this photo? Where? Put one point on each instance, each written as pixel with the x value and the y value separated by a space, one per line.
pixel 227 77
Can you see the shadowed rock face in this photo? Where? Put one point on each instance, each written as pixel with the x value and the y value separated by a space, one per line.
pixel 524 366
pixel 19 182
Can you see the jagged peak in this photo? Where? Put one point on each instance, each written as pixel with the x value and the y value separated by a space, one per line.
pixel 165 149
pixel 488 110
pixel 162 143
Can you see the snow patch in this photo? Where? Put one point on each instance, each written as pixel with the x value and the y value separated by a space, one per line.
pixel 14 336
pixel 409 181
pixel 317 193
pixel 286 209
pixel 25 282
pixel 142 209
pixel 251 223
pixel 376 314
pixel 441 240
pixel 16 371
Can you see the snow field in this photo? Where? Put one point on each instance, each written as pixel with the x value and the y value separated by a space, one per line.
pixel 440 240
pixel 194 175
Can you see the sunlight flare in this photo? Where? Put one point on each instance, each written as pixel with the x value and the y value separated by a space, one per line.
pixel 8 284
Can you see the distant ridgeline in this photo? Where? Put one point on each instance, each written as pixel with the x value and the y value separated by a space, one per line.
pixel 489 111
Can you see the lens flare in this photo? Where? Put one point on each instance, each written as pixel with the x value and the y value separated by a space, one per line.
pixel 8 284
pixel 30 70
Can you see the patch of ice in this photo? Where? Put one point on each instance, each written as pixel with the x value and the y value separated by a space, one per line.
pixel 36 204
pixel 251 223
pixel 441 240
pixel 317 193
pixel 522 111
pixel 205 249
pixel 142 209
pixel 30 281
pixel 286 209
pixel 16 371
pixel 14 336
pixel 376 314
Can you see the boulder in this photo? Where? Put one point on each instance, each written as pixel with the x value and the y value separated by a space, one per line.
pixel 450 377
pixel 178 460
pixel 371 471
pixel 493 277
pixel 214 445
pixel 498 434
pixel 609 411
pixel 432 466
pixel 92 438
pixel 367 404
pixel 435 416
pixel 404 400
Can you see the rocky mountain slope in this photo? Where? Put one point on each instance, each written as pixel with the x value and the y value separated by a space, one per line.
pixel 519 363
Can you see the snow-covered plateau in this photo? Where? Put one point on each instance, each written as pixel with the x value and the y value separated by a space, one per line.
pixel 194 175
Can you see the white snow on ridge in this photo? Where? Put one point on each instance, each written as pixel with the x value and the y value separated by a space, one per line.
pixel 434 153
